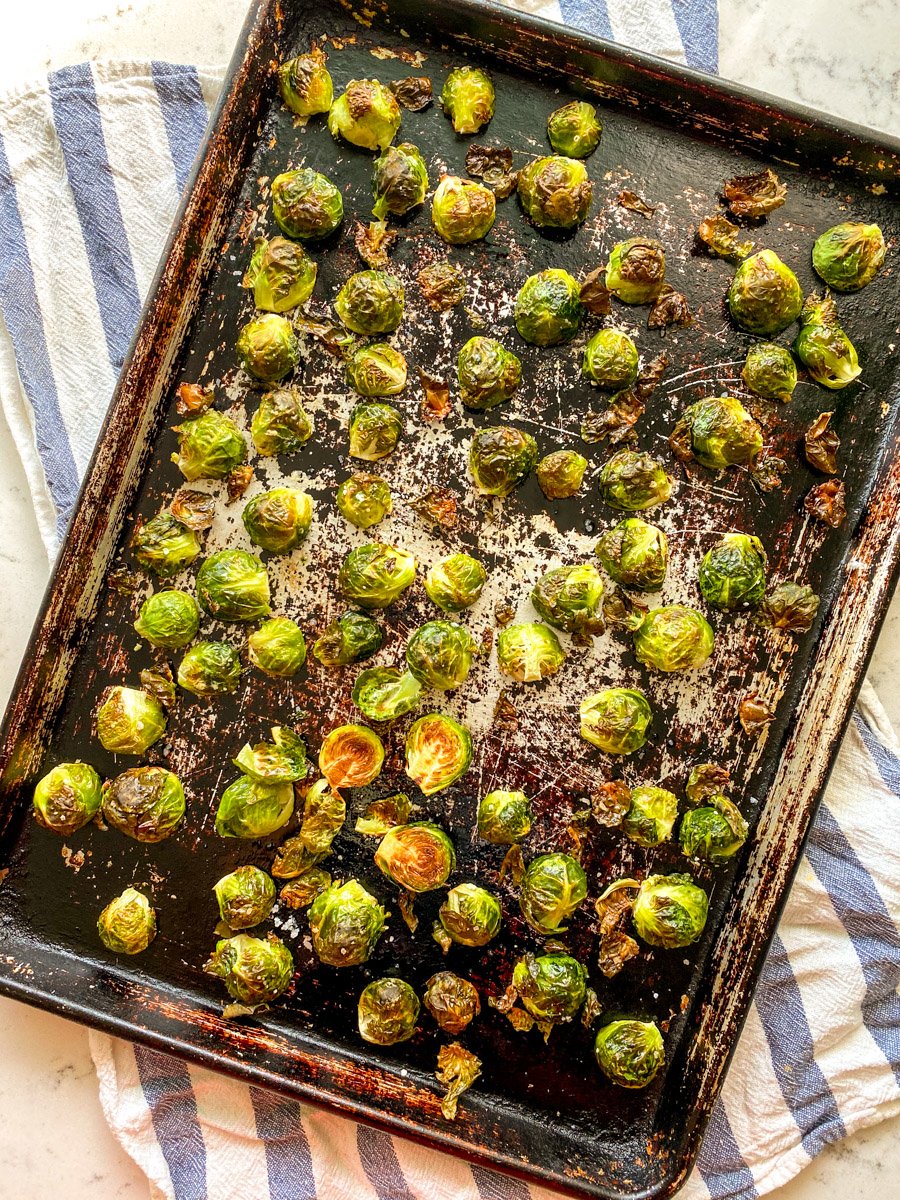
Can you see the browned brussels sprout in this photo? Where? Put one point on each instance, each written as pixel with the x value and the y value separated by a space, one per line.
pixel 349 638
pixel 371 302
pixel 528 651
pixel 245 897
pixel 278 520
pixel 386 693
pixel 387 1012
pixel 439 654
pixel 462 211
pixel 128 924
pixel 366 114
pixel 346 922
pixel 629 1052
pixel 351 756
pixel 67 797
pixel 267 348
pixel 281 274
pixel 467 98
pixel 651 815
pixel 670 911
pixel 375 429
pixel 552 987
pixel 456 582
pixel 673 638
pixel 438 752
pixel 377 370
pixel 823 347
pixel 146 803
pixel 164 546
pixel 375 575
pixel 560 474
pixel 765 296
pixel 611 360
pixel 555 192
pixel 255 971
pixel 281 425
pixel 714 831
pixel 400 180
pixel 209 446
pixel 634 481
pixel 500 458
pixel 548 308
pixel 504 818
pixel 732 573
pixel 789 606
pixel 443 285
pixel 452 1001
pixel 210 669
pixel 469 916
pixel 488 373
pixel 636 271
pixel 277 647
pixel 553 887
pixel 574 129
pixel 168 619
pixel 635 554
pixel 569 598
pixel 233 585
pixel 718 432
pixel 364 500
pixel 129 720
pixel 305 83
pixel 849 255
pixel 249 808
pixel 615 720
pixel 418 857
pixel 770 372
pixel 306 204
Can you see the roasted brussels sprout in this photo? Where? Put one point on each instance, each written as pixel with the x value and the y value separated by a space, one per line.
pixel 611 359
pixel 552 987
pixel 305 83
pixel 462 211
pixel 633 480
pixel 281 425
pixel 560 474
pixel 553 886
pixel 366 115
pixel 67 797
pixel 636 271
pixel 528 651
pixel 500 457
pixel 651 816
pixel 439 654
pixel 345 921
pixel 245 897
pixel 267 347
pixel 453 1002
pixel 438 751
pixel 849 255
pixel 634 554
pixel 823 347
pixel 278 520
pixel 569 598
pixel 128 924
pixel 669 911
pixel 706 780
pixel 371 302
pixel 281 274
pixel 374 430
pixel 278 647
pixel 574 129
pixel 504 818
pixel 251 809
pixel 232 585
pixel 718 432
pixel 255 971
pixel 770 372
pixel 387 1012
pixel 732 573
pixel 168 619
pixel 375 574
pixel 209 669
pixel 456 582
pixel 349 638
pixel 790 606
pixel 385 693
pixel 755 195
pixel 351 756
pixel 400 180
pixel 467 98
pixel 488 373
pixel 765 296
pixel 306 204
pixel 364 500
pixel 470 916
pixel 164 546
pixel 146 803
pixel 548 308
pixel 129 720
pixel 673 637
pixel 715 830
pixel 283 760
pixel 629 1052
pixel 615 720
pixel 377 370
pixel 209 447
pixel 555 192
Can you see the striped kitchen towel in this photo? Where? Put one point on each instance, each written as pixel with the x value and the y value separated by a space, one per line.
pixel 91 165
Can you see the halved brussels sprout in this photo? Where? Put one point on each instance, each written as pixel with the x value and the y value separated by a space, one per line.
pixel 283 760
pixel 462 210
pixel 255 971
pixel 629 1052
pixel 400 180
pixel 245 897
pixel 651 816
pixel 719 432
pixel 528 651
pixel 453 1002
pixel 278 647
pixel 611 360
pixel 470 916
pixel 770 372
pixel 129 720
pixel 823 347
pixel 209 447
pixel 615 720
pixel 673 637
pixel 371 302
pixel 377 370
pixel 168 619
pixel 553 886
pixel 251 809
pixel 281 274
pixel 500 457
pixel 716 830
pixel 364 500
pixel 281 425
pixel 346 922
pixel 732 573
pixel 305 83
pixel 349 638
pixel 548 308
pixel 636 271
pixel 128 924
pixel 385 693
pixel 560 474
pixel 375 574
pixel 634 481
pixel 555 192
pixel 634 554
pixel 789 605
pixel 456 582
pixel 574 129
pixel 552 987
pixel 849 255
pixel 438 752
pixel 145 803
pixel 504 818
pixel 387 1012
pixel 374 430
pixel 278 520
pixel 705 781
pixel 669 911
pixel 267 347
pixel 67 797
pixel 164 546
pixel 569 598
pixel 306 204
pixel 418 857
pixel 765 295
pixel 366 115
pixel 233 585
pixel 467 98
pixel 439 654
pixel 351 756
pixel 488 373
pixel 209 669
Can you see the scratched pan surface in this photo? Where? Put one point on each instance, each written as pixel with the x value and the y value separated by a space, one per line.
pixel 539 1110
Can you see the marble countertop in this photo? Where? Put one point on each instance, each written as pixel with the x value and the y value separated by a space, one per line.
pixel 839 55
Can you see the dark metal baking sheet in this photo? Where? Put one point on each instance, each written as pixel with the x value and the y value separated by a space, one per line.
pixel 673 136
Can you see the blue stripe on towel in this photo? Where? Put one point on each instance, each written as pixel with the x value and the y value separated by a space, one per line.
pixel 590 15
pixel 173 1107
pixel 288 1160
pixel 885 760
pixel 492 1186
pixel 720 1162
pixel 698 25
pixel 184 114
pixel 381 1165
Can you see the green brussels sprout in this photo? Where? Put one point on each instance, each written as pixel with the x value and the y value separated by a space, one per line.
pixel 374 430
pixel 232 585
pixel 470 915
pixel 128 924
pixel 629 1052
pixel 456 582
pixel 281 274
pixel 719 432
pixel 366 115
pixel 504 818
pixel 278 520
pixel 351 756
pixel 528 651
pixel 500 457
pixel 251 809
pixel 552 987
pixel 553 886
pixel 349 638
pixel 283 760
pixel 633 480
pixel 765 295
pixel 371 302
pixel 716 830
pixel 67 797
pixel 555 192
pixel 168 619
pixel 129 720
pixel 346 922
pixel 245 897
pixel 467 98
pixel 673 637
pixel 209 669
pixel 164 546
pixel 375 574
pixel 385 693
pixel 418 857
pixel 209 447
pixel 400 180
pixel 488 373
pixel 770 372
pixel 306 204
pixel 636 271
pixel 438 752
pixel 732 573
pixel 548 308
pixel 574 129
pixel 560 474
pixel 145 803
pixel 462 211
pixel 849 255
pixel 305 84
pixel 377 370
pixel 569 598
pixel 611 359
pixel 634 554
pixel 439 654
pixel 387 1012
pixel 254 970
pixel 267 347
pixel 615 720
pixel 453 1002
pixel 823 347
pixel 364 500
pixel 278 647
pixel 651 815
pixel 669 911
pixel 281 425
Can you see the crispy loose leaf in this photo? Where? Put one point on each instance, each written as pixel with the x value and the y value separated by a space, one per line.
pixel 577 831
pixel 436 399
pixel 768 472
pixel 503 612
pixel 827 502
pixel 193 400
pixel 440 935
pixel 300 892
pixel 624 612
pixel 237 482
pixel 591 1009
pixel 436 509
pixel 413 93
pixel 594 294
pixel 457 1070
pixel 616 949
pixel 615 905
pixel 504 1002
pixel 670 308
pixel 323 817
pixel 384 814
pixel 611 802
pixel 505 715
pixel 334 338
pixel 374 242
pixel 634 203
pixel 443 285
pixel 616 423
pixel 124 581
pixel 707 779
pixel 789 606
pixel 158 681
pixel 722 237
pixel 754 713
pixel 513 864
pixel 293 858
pixel 194 509
pixel 493 166
pixel 755 195
pixel 406 903
pixel 648 380
pixel 821 445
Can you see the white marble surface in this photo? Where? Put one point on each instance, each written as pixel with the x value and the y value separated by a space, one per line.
pixel 841 55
